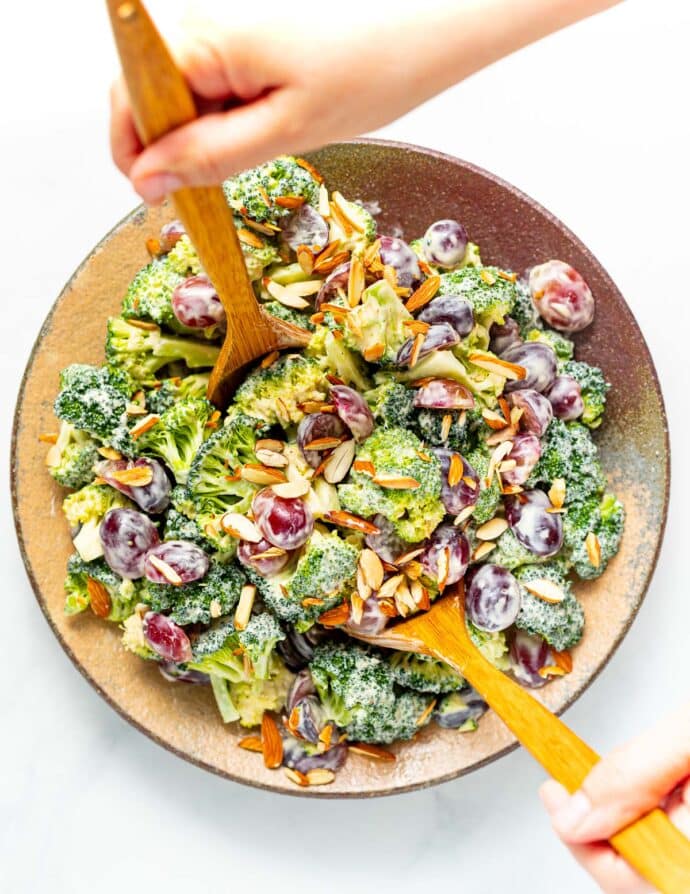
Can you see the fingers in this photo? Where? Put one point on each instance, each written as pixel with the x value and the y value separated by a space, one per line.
pixel 628 782
pixel 609 870
pixel 125 145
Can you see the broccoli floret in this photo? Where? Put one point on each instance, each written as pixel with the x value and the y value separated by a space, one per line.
pixel 524 311
pixel 123 594
pixel 461 435
pixel 183 258
pixel 603 518
pixel 559 623
pixel 94 399
pixel 180 527
pixel 385 723
pixel 335 358
pixel 177 436
pixel 133 638
pixel 391 402
pixel 216 652
pixel 246 193
pixel 492 296
pixel 358 237
pixel 493 646
pixel 424 673
pixel 149 296
pixel 377 320
pixel 84 511
pixel 161 398
pixel 276 393
pixel 486 386
pixel 296 317
pixel 568 452
pixel 489 498
pixel 215 594
pixel 252 698
pixel 71 458
pixel 562 347
pixel 142 352
pixel 593 386
pixel 510 553
pixel 258 639
pixel 394 453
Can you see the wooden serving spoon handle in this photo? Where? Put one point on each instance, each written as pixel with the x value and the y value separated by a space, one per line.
pixel 162 101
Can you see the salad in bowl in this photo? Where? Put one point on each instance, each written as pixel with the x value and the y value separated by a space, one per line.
pixel 435 433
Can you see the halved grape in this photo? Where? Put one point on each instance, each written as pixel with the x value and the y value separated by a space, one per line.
pixel 173 673
pixel 471 707
pixel 127 535
pixel 297 649
pixel 372 621
pixel 537 529
pixel 171 233
pixel 186 559
pixel 438 337
pixel 314 426
pixel 492 598
pixel 565 398
pixel 465 492
pixel 166 638
pixel 266 566
pixel 562 296
pixel 152 498
pixel 302 686
pixel 528 654
pixel 196 304
pixel 538 359
pixel 525 451
pixel 297 757
pixel 445 243
pixel 397 254
pixel 286 522
pixel 504 336
pixel 444 394
pixel 447 537
pixel 338 279
pixel 386 544
pixel 305 226
pixel 353 410
pixel 450 309
pixel 537 411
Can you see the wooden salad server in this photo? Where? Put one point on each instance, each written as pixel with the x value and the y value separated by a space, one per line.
pixel 162 101
pixel 652 844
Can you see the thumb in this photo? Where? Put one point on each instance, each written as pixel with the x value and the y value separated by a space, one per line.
pixel 628 782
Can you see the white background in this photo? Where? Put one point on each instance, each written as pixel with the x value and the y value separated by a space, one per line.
pixel 593 123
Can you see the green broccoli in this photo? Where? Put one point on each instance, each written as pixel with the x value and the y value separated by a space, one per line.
pixel 284 176
pixel 123 594
pixel 258 639
pixel 489 498
pixel 296 317
pixel 462 434
pixel 276 394
pixel 385 723
pixel 95 399
pixel 212 596
pixel 177 436
pixel 179 526
pixel 216 651
pixel 251 698
pixel 85 509
pixel 164 395
pixel 424 673
pixel 593 386
pixel 71 458
pixel 510 553
pixel 394 453
pixel 149 296
pixel 337 359
pixel 143 352
pixel 493 646
pixel 568 452
pixel 183 258
pixel 492 296
pixel 562 346
pixel 559 623
pixel 524 311
pixel 391 402
pixel 377 322
pixel 605 519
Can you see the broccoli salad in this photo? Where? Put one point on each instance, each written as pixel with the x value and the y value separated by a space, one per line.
pixel 435 435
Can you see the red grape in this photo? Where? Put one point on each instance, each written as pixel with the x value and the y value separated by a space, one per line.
pixel 305 226
pixel 565 397
pixel 386 544
pixel 265 566
pixel 314 426
pixel 445 243
pixel 286 522
pixel 372 621
pixel 450 309
pixel 171 233
pixel 186 559
pixel 127 535
pixel 539 531
pixel 504 336
pixel 196 304
pixel 447 536
pixel 153 497
pixel 444 394
pixel 537 411
pixel 528 654
pixel 338 279
pixel 526 451
pixel 492 598
pixel 353 410
pixel 166 638
pixel 397 254
pixel 538 359
pixel 562 296
pixel 465 492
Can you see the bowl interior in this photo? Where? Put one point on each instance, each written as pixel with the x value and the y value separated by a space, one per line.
pixel 413 187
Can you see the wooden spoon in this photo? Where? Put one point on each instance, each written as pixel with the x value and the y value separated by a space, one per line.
pixel 652 844
pixel 162 101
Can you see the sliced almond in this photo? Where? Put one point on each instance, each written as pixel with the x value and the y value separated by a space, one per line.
pixel 563 660
pixel 356 607
pixel 110 453
pixel 365 467
pixel 446 423
pixel 388 588
pixel 136 476
pixel 546 589
pixel 443 568
pixel 166 570
pixel 290 490
pixel 339 462
pixel 305 258
pixel 134 409
pixel 488 277
pixel 417 345
pixel 271 742
pixel 348 520
pixel 251 743
pixel 403 599
pixel 396 482
pixel 496 457
pixel 269 360
pixel 146 325
pixel 498 437
pixel 312 600
pixel 335 617
pixel 373 751
pixel 328 265
pixel 99 598
pixel 320 776
pixel 268 229
pixel 343 207
pixel 593 548
pixel 296 777
pixel 426 713
pixel 48 438
pixel 413 570
pixel 557 493
pixel 516 414
pixel 215 608
pixel 482 550
pixel 372 569
pixel 308 166
pixel 244 606
pixel 507 465
pixel 407 557
pixel 355 282
pixel 509 277
pixel 247 237
pixel 492 529
pixel 258 474
pixel 271 553
pixel 240 527
pixel 498 366
pixel 363 588
pixel 455 470
pixel 494 420
pixel 144 426
pixel 290 201
pixel 272 459
pixel 306 288
pixel 551 670
pixel 464 514
pixel 374 352
pixel 324 208
pixel 323 444
pixel 285 297
pixel 423 294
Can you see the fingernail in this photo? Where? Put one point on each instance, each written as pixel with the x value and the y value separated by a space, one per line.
pixel 156 187
pixel 568 817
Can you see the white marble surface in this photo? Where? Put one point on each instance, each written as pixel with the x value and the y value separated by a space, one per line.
pixel 593 123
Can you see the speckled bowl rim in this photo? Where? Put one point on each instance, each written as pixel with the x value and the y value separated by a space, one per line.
pixel 323 793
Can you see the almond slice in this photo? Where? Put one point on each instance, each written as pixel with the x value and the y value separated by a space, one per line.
pixel 285 297
pixel 271 741
pixel 99 598
pixel 593 548
pixel 136 476
pixel 338 464
pixel 416 349
pixel 305 288
pixel 215 608
pixel 516 415
pixel 324 208
pixel 557 493
pixel 488 277
pixel 355 281
pixel 551 670
pixel 409 556
pixel 423 294
pixel 247 237
pixel 498 366
pixel 364 466
pixel 498 437
pixel 320 776
pixel 308 166
pixel 323 444
pixel 396 482
pixel 240 527
pixel 251 743
pixel 269 360
pixel 258 474
pixel 374 352
pixel 563 660
pixel 373 751
pixel 296 777
pixel 455 470
pixel 348 520
pixel 546 589
pixel 166 570
pixel 335 617
pixel 144 425
pixel 372 569
pixel 494 420
pixel 483 550
pixel 464 514
pixel 446 423
pixel 146 325
pixel 109 453
pixel 305 258
pixel 356 607
pixel 328 265
pixel 388 588
pixel 272 459
pixel 271 553
pixel 443 568
pixel 290 201
pixel 363 588
pixel 245 606
pixel 404 602
pixel 268 229
pixel 343 207
pixel 424 716
pixel 290 490
pixel 492 529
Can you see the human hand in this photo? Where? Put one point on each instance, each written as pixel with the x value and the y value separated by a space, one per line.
pixel 649 771
pixel 264 91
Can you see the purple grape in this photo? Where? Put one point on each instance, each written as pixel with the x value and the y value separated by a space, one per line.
pixel 504 336
pixel 166 638
pixel 171 233
pixel 386 544
pixel 335 280
pixel 492 598
pixel 444 394
pixel 528 654
pixel 450 309
pixel 539 531
pixel 447 536
pixel 126 536
pixel 297 649
pixel 305 226
pixel 372 622
pixel 397 254
pixel 314 426
pixel 186 559
pixel 353 410
pixel 438 337
pixel 286 522
pixel 538 359
pixel 537 411
pixel 526 451
pixel 196 304
pixel 266 566
pixel 462 494
pixel 565 398
pixel 473 708
pixel 296 756
pixel 302 686
pixel 445 243
pixel 152 498
pixel 561 296
pixel 173 673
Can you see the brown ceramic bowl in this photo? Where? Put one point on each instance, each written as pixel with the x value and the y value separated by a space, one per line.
pixel 414 187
